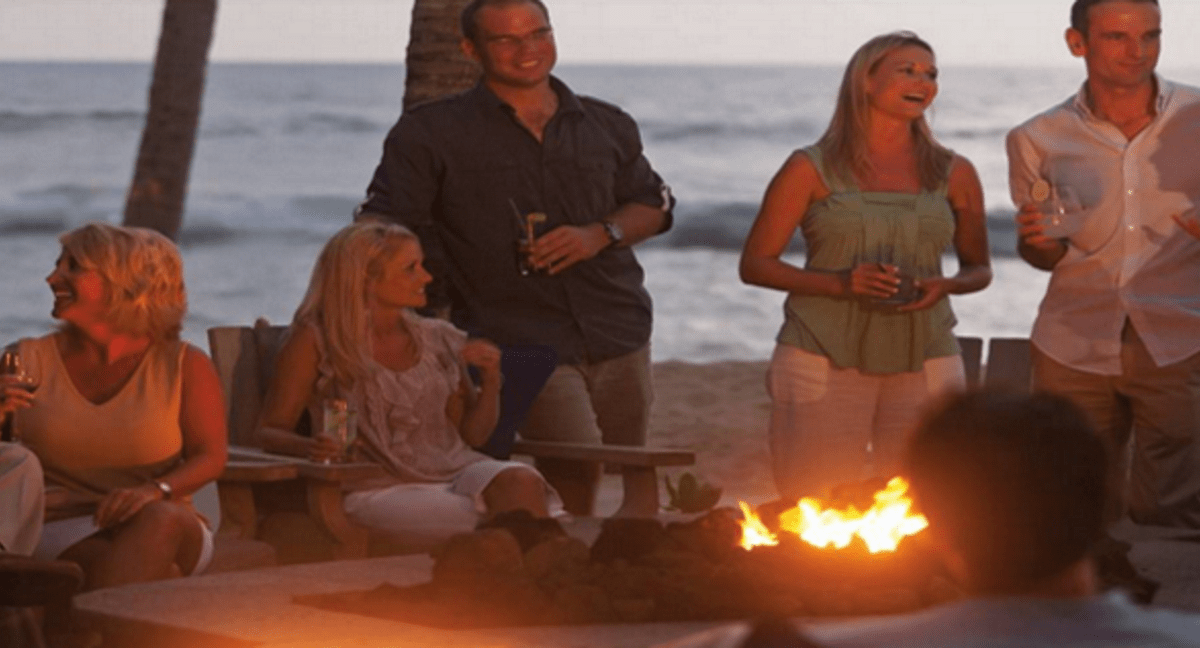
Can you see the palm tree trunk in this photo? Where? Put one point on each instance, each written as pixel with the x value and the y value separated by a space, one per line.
pixel 435 65
pixel 160 177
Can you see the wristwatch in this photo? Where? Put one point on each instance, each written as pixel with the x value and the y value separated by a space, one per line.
pixel 614 232
pixel 164 488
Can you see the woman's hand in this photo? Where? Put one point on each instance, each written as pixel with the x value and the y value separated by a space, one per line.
pixel 484 356
pixel 932 289
pixel 121 504
pixel 872 280
pixel 12 397
pixel 323 447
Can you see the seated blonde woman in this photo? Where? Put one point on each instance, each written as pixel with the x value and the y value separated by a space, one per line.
pixel 356 338
pixel 127 420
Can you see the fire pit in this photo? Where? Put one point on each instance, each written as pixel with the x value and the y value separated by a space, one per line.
pixel 807 560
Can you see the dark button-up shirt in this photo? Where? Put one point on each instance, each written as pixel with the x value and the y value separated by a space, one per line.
pixel 457 171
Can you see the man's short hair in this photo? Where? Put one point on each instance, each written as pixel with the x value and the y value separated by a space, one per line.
pixel 1079 12
pixel 1014 482
pixel 469 25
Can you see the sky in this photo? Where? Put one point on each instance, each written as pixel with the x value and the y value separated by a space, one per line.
pixel 964 32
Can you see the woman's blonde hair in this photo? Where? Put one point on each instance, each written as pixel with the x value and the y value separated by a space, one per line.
pixel 844 145
pixel 337 298
pixel 143 273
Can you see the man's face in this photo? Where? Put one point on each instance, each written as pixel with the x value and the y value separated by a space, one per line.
pixel 1122 45
pixel 515 45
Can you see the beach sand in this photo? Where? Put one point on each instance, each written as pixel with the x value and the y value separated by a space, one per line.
pixel 719 411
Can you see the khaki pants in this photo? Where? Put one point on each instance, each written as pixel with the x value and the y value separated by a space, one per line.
pixel 606 401
pixel 1159 409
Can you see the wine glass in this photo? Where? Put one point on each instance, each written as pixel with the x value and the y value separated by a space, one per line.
pixel 15 373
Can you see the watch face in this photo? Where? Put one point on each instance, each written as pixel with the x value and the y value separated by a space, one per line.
pixel 614 232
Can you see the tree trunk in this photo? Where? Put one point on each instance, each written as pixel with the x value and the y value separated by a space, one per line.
pixel 160 178
pixel 435 65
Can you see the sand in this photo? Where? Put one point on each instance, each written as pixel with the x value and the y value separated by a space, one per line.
pixel 719 411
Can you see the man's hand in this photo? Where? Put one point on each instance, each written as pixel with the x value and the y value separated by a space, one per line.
pixel 1039 250
pixel 566 245
pixel 1032 230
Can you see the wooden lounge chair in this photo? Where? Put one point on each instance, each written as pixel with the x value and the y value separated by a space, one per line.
pixel 245 356
pixel 1008 364
pixel 972 355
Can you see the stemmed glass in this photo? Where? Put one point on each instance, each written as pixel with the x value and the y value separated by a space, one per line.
pixel 14 372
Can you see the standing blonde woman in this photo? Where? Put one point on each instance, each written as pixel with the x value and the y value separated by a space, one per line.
pixel 128 420
pixel 867 336
pixel 356 337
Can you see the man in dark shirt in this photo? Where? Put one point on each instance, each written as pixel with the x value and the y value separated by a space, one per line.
pixel 474 173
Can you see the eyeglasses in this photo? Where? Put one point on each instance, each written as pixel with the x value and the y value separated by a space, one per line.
pixel 508 42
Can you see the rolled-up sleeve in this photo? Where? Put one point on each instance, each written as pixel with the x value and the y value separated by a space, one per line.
pixel 636 181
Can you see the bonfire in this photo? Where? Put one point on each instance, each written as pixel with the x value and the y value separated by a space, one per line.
pixel 811 559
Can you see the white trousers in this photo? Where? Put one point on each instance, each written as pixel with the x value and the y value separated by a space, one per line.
pixel 832 426
pixel 22 499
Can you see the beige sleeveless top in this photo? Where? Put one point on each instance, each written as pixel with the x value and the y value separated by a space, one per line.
pixel 122 443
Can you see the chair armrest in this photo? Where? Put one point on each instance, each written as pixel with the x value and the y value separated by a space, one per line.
pixel 612 454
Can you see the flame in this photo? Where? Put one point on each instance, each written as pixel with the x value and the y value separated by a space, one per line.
pixel 754 532
pixel 881 527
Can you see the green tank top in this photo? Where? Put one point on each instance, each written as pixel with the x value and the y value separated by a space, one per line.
pixel 849 227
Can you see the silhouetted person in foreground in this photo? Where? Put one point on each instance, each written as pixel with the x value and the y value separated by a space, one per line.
pixel 1014 489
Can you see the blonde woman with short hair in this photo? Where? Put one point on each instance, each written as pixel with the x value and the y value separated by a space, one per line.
pixel 127 420
pixel 867 336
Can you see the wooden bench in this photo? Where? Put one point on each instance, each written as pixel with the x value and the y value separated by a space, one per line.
pixel 244 357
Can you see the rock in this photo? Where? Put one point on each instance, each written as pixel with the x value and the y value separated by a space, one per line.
pixel 482 555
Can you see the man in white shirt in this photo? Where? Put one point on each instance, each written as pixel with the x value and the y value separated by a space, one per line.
pixel 1119 328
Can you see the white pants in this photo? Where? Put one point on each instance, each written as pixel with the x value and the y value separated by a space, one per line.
pixel 421 516
pixel 22 499
pixel 832 426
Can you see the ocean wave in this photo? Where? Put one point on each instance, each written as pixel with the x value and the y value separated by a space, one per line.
pixel 725 227
pixel 674 131
pixel 331 123
pixel 19 123
pixel 993 132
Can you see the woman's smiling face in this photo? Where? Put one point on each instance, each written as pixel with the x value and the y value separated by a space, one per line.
pixel 80 293
pixel 904 82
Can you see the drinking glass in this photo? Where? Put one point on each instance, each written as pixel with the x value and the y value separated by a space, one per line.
pixel 527 230
pixel 906 291
pixel 15 372
pixel 1062 212
pixel 341 424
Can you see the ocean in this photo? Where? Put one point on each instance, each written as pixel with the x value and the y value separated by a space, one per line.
pixel 285 152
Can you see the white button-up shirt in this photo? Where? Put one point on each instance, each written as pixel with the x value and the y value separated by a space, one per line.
pixel 1130 259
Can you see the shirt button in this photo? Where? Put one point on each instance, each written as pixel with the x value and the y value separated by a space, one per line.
pixel 1131 228
pixel 1129 192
